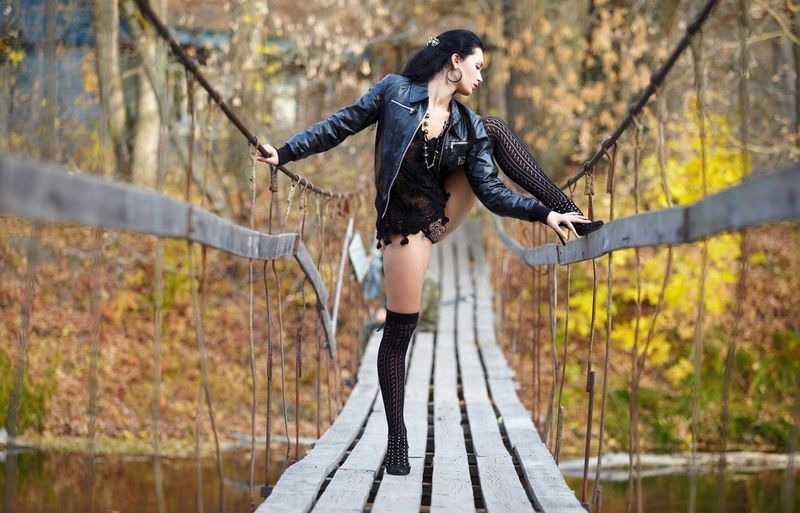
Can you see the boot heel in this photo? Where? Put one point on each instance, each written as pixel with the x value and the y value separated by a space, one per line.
pixel 587 228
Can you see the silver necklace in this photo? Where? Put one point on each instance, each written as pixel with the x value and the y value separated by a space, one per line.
pixel 433 152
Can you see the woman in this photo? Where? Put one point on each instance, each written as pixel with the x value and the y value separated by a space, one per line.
pixel 433 157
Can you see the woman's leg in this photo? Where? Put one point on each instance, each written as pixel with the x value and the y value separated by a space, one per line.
pixel 519 165
pixel 460 201
pixel 404 269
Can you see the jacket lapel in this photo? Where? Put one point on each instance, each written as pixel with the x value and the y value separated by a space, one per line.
pixel 419 92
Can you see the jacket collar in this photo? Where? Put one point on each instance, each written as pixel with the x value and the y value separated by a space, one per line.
pixel 419 92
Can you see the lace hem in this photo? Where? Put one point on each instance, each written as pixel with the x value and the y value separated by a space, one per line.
pixel 433 231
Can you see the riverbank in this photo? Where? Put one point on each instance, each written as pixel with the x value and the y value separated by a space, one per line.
pixel 615 466
pixel 132 446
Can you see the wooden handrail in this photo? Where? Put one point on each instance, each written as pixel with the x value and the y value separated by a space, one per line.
pixel 42 192
pixel 760 199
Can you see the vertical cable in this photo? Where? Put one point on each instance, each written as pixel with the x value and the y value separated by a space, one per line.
pixel 697 346
pixel 598 490
pixel 251 337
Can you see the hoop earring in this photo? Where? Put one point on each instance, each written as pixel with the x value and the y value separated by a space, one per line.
pixel 460 74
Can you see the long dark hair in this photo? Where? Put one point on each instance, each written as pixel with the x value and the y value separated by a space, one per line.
pixel 430 60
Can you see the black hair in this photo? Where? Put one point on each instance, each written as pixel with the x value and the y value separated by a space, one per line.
pixel 430 60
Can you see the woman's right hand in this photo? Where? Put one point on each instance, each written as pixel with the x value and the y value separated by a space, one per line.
pixel 555 220
pixel 272 155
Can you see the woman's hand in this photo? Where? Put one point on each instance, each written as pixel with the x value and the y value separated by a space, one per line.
pixel 272 157
pixel 555 220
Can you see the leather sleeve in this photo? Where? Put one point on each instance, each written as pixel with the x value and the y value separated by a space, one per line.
pixel 347 121
pixel 482 176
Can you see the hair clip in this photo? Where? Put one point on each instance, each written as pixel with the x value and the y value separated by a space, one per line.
pixel 433 41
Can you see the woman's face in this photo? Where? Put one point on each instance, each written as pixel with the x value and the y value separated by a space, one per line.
pixel 471 72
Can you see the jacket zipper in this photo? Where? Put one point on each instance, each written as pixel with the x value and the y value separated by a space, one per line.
pixel 397 171
pixel 441 156
pixel 409 109
pixel 453 143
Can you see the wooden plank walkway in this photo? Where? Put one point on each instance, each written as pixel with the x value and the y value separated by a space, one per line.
pixel 472 444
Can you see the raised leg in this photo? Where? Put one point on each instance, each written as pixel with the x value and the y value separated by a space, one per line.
pixel 519 165
pixel 460 201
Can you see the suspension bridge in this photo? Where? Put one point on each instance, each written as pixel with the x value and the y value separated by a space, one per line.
pixel 473 445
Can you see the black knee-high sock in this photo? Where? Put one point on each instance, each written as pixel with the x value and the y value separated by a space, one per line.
pixel 517 162
pixel 397 332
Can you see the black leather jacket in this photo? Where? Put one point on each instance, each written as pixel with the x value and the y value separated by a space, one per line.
pixel 398 106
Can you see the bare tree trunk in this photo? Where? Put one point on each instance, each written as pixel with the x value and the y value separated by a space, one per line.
pixel 248 18
pixel 7 79
pixel 146 126
pixel 510 32
pixel 796 52
pixel 147 121
pixel 49 130
pixel 112 101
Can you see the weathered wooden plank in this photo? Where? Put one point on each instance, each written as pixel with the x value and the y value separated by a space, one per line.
pixel 451 484
pixel 350 492
pixel 763 198
pixel 434 266
pixel 371 447
pixel 548 493
pixel 452 487
pixel 347 492
pixel 299 486
pixel 45 193
pixel 544 482
pixel 368 370
pixel 401 494
pixel 416 396
pixel 500 485
pixel 448 434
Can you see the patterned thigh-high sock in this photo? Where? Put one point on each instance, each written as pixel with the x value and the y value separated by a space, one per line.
pixel 397 332
pixel 517 162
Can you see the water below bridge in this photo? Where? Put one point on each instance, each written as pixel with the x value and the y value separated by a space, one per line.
pixel 44 481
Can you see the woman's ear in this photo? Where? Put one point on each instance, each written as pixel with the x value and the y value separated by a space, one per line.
pixel 455 59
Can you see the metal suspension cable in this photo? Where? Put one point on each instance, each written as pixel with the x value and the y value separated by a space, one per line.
pixel 698 342
pixel 656 78
pixel 199 292
pixel 191 66
pixel 251 329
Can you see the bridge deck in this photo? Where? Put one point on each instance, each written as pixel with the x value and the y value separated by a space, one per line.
pixel 472 444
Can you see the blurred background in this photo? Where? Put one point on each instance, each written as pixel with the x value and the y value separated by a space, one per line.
pixel 88 86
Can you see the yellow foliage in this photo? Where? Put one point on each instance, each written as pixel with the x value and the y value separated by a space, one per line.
pixel 723 160
pixel 16 56
pixel 678 372
pixel 90 82
pixel 270 50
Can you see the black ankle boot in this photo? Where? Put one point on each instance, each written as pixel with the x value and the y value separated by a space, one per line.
pixel 587 228
pixel 396 462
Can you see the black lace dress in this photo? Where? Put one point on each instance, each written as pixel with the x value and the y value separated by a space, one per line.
pixel 417 198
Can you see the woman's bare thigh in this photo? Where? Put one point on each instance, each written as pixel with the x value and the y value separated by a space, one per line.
pixel 461 199
pixel 404 268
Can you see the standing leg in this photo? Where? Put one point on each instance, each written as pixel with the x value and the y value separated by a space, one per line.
pixel 404 268
pixel 519 165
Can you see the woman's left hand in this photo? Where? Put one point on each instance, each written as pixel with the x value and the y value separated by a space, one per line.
pixel 272 155
pixel 555 220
